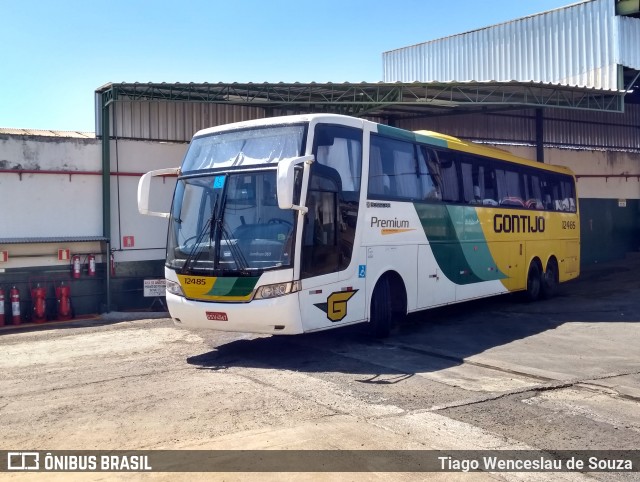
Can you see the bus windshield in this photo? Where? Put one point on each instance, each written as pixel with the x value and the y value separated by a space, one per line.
pixel 244 147
pixel 230 223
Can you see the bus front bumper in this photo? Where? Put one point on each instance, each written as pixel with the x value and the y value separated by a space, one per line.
pixel 276 316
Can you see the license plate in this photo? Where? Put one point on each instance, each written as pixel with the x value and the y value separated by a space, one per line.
pixel 217 316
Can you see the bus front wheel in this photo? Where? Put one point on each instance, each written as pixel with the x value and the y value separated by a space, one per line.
pixel 381 317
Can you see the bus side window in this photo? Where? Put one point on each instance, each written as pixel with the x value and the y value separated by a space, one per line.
pixel 429 174
pixel 320 250
pixel 405 171
pixel 449 171
pixel 470 184
pixel 509 188
pixel 490 197
pixel 478 182
pixel 393 169
pixel 340 148
pixel 336 156
pixel 568 196
pixel 379 182
pixel 547 192
pixel 532 191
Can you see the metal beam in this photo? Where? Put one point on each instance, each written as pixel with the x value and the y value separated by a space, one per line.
pixel 540 135
pixel 377 98
pixel 106 193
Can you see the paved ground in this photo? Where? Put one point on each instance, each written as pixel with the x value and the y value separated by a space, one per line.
pixel 494 374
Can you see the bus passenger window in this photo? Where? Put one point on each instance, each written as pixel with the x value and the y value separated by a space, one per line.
pixel 532 192
pixel 340 148
pixel 449 172
pixel 568 197
pixel 393 169
pixel 470 186
pixel 478 182
pixel 489 197
pixel 429 173
pixel 509 191
pixel 379 182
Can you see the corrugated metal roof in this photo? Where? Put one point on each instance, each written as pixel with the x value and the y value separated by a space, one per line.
pixel 174 112
pixel 577 45
pixel 63 239
pixel 564 128
pixel 47 133
pixel 176 120
pixel 629 42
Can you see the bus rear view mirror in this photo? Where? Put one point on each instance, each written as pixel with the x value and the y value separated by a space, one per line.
pixel 144 189
pixel 285 181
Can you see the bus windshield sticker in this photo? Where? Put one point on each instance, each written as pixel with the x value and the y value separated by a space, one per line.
pixel 218 182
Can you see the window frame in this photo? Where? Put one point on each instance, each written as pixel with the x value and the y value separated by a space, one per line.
pixel 554 182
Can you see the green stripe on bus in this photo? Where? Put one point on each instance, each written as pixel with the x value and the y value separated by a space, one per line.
pixel 243 286
pixel 409 136
pixel 473 243
pixel 458 243
pixel 233 286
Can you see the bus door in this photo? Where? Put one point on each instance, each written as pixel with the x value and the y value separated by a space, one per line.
pixel 330 294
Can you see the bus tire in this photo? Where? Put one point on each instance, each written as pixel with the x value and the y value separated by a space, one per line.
pixel 534 282
pixel 550 280
pixel 381 317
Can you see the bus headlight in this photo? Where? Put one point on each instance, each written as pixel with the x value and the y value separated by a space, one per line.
pixel 275 290
pixel 174 288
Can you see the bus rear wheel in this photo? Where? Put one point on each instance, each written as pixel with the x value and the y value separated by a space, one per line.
pixel 534 282
pixel 381 318
pixel 550 281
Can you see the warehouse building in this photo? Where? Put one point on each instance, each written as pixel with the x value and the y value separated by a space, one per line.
pixel 560 87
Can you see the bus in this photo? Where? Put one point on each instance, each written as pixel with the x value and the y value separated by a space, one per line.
pixel 303 223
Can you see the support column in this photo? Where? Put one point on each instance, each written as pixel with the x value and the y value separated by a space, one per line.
pixel 106 198
pixel 539 135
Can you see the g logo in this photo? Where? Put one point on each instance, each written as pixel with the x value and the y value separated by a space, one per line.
pixel 336 305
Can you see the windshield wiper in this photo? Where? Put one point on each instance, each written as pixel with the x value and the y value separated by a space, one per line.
pixel 194 254
pixel 236 252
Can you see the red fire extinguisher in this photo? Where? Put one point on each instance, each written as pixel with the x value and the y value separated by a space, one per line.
pixel 1 306
pixel 38 297
pixel 14 295
pixel 91 261
pixel 75 266
pixel 63 295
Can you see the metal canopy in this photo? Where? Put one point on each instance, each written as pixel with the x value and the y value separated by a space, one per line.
pixel 387 100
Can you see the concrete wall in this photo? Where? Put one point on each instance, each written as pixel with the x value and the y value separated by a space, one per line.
pixel 609 199
pixel 34 204
pixel 45 205
pixel 594 163
pixel 150 233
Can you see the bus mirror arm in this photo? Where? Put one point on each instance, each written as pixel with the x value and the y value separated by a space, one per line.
pixel 144 189
pixel 285 181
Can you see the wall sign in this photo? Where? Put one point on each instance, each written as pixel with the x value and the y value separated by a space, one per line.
pixel 154 287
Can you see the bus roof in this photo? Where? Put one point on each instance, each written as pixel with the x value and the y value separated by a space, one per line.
pixel 429 137
pixel 288 119
pixel 489 151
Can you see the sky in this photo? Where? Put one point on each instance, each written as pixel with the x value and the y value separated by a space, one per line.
pixel 55 54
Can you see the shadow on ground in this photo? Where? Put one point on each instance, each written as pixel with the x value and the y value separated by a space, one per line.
pixel 440 338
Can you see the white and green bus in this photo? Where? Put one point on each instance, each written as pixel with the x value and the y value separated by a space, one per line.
pixel 303 223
